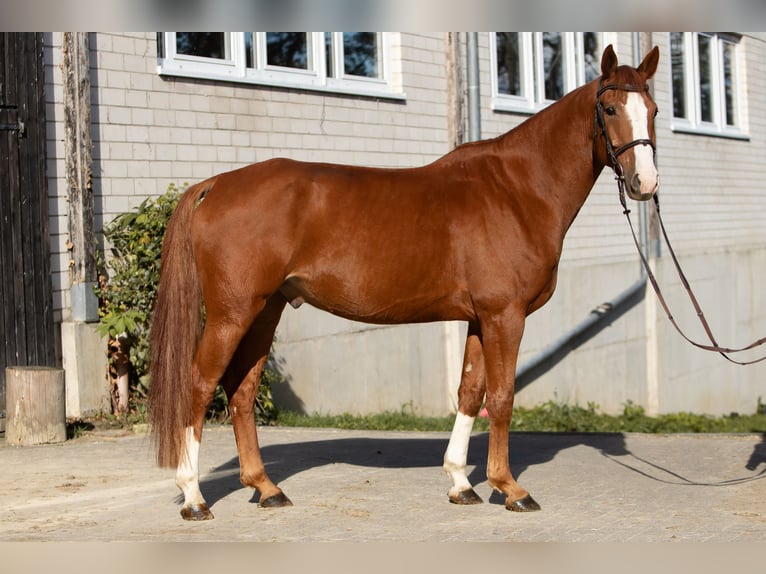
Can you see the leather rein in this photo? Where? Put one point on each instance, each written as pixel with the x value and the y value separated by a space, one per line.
pixel 613 155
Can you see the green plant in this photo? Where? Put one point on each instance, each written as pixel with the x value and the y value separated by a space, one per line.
pixel 127 290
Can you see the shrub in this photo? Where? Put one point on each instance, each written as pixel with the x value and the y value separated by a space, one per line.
pixel 127 290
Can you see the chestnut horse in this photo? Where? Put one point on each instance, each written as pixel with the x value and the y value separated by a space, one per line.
pixel 475 236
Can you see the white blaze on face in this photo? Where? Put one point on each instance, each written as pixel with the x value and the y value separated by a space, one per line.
pixel 644 154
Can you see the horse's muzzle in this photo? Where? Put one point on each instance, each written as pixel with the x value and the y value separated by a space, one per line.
pixel 642 188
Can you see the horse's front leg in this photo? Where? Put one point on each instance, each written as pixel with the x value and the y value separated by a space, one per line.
pixel 501 339
pixel 470 397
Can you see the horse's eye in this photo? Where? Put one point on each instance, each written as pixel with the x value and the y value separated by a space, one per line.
pixel 610 111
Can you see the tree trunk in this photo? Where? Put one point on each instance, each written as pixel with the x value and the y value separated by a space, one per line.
pixel 36 405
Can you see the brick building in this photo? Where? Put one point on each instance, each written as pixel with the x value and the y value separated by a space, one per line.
pixel 173 108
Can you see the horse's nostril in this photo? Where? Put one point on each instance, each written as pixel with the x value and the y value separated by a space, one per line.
pixel 635 182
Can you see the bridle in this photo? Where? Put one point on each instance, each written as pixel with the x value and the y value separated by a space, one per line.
pixel 611 153
pixel 612 156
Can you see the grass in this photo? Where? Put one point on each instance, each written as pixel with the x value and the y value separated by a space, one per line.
pixel 548 417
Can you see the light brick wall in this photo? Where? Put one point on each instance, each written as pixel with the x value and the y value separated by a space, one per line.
pixel 150 131
pixel 712 188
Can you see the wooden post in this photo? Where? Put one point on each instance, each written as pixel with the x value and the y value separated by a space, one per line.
pixel 455 84
pixel 36 405
pixel 78 154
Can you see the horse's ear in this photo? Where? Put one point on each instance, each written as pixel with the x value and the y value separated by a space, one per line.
pixel 649 65
pixel 608 61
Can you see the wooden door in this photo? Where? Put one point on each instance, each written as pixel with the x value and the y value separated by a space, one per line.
pixel 26 315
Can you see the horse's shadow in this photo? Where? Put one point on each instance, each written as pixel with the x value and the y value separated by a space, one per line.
pixel 527 449
pixel 285 460
pixel 758 455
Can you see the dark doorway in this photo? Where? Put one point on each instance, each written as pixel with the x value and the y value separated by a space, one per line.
pixel 26 315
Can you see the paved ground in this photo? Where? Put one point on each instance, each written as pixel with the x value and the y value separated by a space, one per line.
pixel 388 486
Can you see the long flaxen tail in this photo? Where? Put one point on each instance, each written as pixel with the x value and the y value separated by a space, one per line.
pixel 175 332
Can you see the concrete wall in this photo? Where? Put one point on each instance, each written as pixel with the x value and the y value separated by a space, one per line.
pixel 333 365
pixel 641 358
pixel 728 285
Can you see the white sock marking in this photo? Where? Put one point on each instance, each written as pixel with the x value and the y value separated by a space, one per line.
pixel 456 456
pixel 187 473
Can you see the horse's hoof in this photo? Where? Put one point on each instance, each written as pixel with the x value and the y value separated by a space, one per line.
pixel 465 497
pixel 196 512
pixel 525 504
pixel 276 501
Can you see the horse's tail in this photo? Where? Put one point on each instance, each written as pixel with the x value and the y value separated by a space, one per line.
pixel 175 332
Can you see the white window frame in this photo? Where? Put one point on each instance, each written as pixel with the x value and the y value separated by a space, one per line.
pixel 532 98
pixel 360 83
pixel 693 123
pixel 316 77
pixel 229 68
pixel 271 75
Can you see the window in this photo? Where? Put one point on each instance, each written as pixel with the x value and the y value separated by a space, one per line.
pixel 203 44
pixel 354 59
pixel 348 62
pixel 705 83
pixel 532 69
pixel 288 50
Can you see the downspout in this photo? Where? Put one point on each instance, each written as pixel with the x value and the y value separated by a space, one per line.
pixel 650 246
pixel 603 315
pixel 474 97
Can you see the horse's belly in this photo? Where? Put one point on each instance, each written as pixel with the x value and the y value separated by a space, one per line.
pixel 377 301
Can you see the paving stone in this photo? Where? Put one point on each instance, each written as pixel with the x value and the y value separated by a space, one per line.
pixel 389 486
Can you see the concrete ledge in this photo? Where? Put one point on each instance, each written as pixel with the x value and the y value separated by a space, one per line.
pixel 85 366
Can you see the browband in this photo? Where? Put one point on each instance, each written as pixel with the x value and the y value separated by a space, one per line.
pixel 625 87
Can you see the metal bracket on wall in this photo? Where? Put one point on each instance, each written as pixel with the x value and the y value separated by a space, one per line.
pixel 18 127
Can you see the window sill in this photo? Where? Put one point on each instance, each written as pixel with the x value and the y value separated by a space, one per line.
pixel 709 132
pixel 312 85
pixel 516 107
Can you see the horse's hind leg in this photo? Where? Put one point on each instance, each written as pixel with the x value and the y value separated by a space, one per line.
pixel 220 340
pixel 241 385
pixel 470 397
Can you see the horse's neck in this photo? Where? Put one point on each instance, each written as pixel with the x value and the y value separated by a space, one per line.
pixel 557 146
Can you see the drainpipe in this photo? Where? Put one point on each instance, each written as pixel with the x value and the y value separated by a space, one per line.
pixel 651 249
pixel 474 99
pixel 603 315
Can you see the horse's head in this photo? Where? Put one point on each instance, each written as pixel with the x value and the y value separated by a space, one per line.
pixel 625 123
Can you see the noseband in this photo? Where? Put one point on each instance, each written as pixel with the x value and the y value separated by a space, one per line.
pixel 612 153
